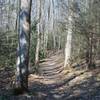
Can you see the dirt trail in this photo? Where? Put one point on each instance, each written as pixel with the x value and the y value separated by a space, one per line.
pixel 55 83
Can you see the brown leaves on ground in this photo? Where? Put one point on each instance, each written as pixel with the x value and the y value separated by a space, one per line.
pixel 56 83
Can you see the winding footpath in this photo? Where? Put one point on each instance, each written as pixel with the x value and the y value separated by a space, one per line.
pixel 55 83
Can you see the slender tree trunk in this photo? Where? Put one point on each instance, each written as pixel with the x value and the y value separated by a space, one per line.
pixel 24 44
pixel 38 33
pixel 68 44
pixel 45 42
pixel 91 63
pixel 38 45
pixel 54 41
pixel 59 43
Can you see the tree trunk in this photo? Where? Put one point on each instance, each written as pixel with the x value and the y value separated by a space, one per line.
pixel 59 43
pixel 23 45
pixel 68 45
pixel 91 63
pixel 54 41
pixel 38 45
pixel 38 33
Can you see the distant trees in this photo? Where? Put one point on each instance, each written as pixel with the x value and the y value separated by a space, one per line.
pixel 92 33
pixel 23 44
pixel 8 40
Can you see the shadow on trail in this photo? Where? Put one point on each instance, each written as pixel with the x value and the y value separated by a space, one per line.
pixel 88 89
pixel 82 86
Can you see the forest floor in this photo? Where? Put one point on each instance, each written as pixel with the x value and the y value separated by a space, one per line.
pixel 56 83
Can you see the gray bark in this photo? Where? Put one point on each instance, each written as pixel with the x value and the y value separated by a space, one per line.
pixel 23 45
pixel 68 44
